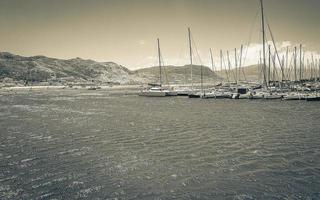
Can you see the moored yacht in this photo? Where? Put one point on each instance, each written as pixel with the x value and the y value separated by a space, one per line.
pixel 257 95
pixel 154 92
pixel 157 90
pixel 314 97
pixel 271 96
pixel 294 96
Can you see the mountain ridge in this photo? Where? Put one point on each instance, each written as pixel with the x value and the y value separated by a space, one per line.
pixel 40 68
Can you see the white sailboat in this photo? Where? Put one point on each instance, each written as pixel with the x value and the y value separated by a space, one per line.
pixel 153 92
pixel 157 90
pixel 194 93
pixel 271 96
pixel 294 96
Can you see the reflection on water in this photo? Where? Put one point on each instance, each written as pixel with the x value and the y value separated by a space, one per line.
pixel 91 144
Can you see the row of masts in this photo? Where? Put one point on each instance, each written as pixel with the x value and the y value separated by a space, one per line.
pixel 294 66
pixel 273 67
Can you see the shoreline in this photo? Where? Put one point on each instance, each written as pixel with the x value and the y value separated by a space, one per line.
pixel 40 87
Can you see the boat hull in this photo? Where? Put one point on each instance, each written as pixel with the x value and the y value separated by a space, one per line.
pixel 271 97
pixel 152 94
pixel 313 98
pixel 294 98
pixel 171 93
pixel 194 96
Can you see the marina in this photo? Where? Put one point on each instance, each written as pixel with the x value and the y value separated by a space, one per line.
pixel 160 100
pixel 287 86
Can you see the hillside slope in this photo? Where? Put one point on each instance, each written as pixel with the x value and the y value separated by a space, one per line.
pixel 41 68
pixel 177 74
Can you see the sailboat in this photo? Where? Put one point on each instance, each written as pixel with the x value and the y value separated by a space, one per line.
pixel 314 97
pixel 193 93
pixel 294 96
pixel 156 90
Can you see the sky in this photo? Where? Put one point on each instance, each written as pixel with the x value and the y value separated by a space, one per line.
pixel 125 31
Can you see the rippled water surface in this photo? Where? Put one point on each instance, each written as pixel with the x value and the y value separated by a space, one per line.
pixel 79 144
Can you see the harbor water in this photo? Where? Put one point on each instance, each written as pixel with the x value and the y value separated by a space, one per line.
pixel 81 144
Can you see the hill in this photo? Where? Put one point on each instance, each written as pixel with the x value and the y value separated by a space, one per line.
pixel 249 73
pixel 177 74
pixel 43 69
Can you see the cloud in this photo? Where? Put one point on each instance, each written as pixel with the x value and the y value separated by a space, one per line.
pixel 250 56
pixel 142 42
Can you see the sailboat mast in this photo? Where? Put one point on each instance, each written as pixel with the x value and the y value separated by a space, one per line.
pixel 295 64
pixel 229 68
pixel 221 62
pixel 269 65
pixel 319 70
pixel 159 56
pixel 201 79
pixel 212 66
pixel 313 69
pixel 263 43
pixel 240 64
pixel 274 68
pixel 236 65
pixel 190 51
pixel 300 70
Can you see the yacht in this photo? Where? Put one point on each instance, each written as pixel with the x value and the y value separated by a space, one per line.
pixel 294 96
pixel 154 92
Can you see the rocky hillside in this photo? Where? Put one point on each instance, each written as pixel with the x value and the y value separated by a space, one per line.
pixel 249 73
pixel 42 69
pixel 35 69
pixel 177 74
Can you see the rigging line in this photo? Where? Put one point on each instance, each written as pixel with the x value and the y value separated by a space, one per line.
pixel 275 72
pixel 275 47
pixel 291 67
pixel 250 35
pixel 197 53
pixel 196 49
pixel 244 75
pixel 156 63
pixel 164 69
pixel 233 70
pixel 225 67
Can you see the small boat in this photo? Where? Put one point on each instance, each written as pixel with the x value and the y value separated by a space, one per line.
pixel 154 92
pixel 257 95
pixel 217 95
pixel 272 96
pixel 294 96
pixel 171 93
pixel 223 95
pixel 157 90
pixel 235 96
pixel 208 95
pixel 245 96
pixel 182 91
pixel 195 95
pixel 313 98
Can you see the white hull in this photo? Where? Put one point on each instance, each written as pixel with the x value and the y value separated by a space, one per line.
pixel 257 97
pixel 217 95
pixel 275 96
pixel 153 93
pixel 244 96
pixel 209 95
pixel 294 97
pixel 171 93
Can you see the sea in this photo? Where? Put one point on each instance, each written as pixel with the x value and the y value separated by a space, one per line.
pixel 100 144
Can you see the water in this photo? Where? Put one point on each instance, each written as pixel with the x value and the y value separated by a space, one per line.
pixel 79 144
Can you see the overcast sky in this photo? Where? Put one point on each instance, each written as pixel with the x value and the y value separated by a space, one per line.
pixel 125 31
